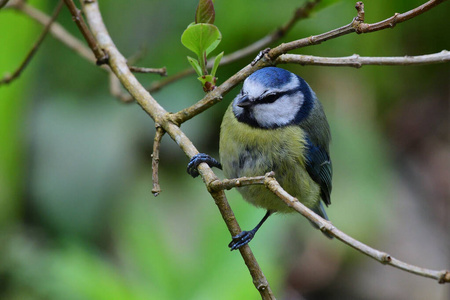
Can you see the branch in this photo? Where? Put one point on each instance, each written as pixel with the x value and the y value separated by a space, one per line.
pixel 155 159
pixel 357 61
pixel 119 66
pixel 272 184
pixel 116 89
pixel 228 184
pixel 101 57
pixel 160 71
pixel 8 78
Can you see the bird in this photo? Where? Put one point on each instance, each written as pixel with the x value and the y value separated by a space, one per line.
pixel 276 123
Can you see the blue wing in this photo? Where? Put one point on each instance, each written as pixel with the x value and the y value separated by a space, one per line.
pixel 318 165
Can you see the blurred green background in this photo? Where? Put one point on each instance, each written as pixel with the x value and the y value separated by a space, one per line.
pixel 78 220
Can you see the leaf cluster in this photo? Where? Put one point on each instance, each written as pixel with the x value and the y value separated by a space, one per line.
pixel 202 37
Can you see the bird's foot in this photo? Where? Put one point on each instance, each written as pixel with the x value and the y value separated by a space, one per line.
pixel 241 239
pixel 197 159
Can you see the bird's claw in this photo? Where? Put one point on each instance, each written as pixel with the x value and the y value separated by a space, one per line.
pixel 241 239
pixel 197 159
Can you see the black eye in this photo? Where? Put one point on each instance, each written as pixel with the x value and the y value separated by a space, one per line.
pixel 269 98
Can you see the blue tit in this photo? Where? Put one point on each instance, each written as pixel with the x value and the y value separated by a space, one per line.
pixel 275 124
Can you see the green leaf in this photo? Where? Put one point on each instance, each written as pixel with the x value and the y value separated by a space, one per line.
pixel 200 38
pixel 205 12
pixel 214 45
pixel 194 63
pixel 216 64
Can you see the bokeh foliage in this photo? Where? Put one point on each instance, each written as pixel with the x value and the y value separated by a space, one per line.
pixel 78 220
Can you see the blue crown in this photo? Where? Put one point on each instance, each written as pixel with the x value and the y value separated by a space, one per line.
pixel 271 77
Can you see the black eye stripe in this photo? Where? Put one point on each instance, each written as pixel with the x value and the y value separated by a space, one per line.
pixel 270 98
pixel 274 97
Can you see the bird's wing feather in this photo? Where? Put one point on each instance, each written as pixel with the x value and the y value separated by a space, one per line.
pixel 318 165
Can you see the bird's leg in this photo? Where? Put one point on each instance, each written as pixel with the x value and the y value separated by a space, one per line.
pixel 245 237
pixel 197 159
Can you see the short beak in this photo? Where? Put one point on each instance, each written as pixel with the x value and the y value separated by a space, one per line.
pixel 244 102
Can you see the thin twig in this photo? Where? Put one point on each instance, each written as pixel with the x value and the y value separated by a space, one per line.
pixel 102 58
pixel 30 55
pixel 156 86
pixel 119 66
pixel 312 40
pixel 156 190
pixel 160 71
pixel 361 13
pixel 357 61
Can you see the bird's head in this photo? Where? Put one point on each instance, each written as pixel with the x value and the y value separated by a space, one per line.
pixel 272 97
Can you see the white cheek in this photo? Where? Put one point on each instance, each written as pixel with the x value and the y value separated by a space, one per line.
pixel 281 112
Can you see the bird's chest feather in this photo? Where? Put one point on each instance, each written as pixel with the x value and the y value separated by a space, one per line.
pixel 249 151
